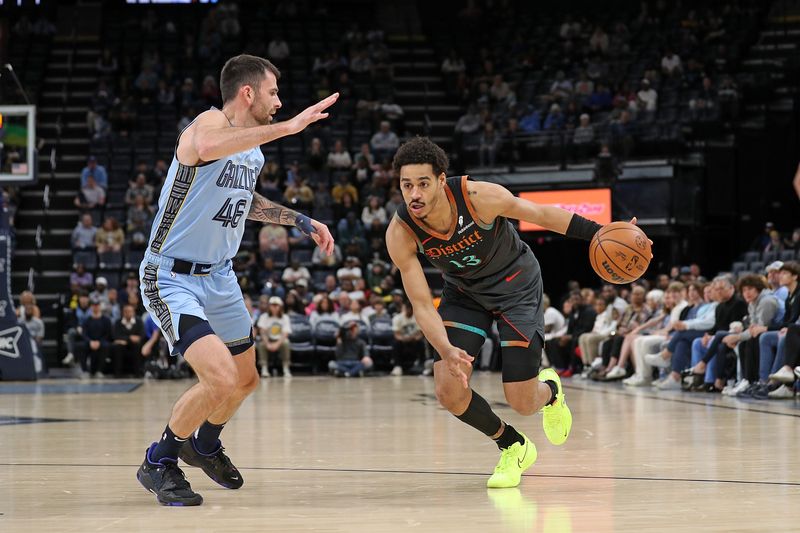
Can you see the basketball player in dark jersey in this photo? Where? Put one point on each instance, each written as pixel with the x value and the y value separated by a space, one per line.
pixel 462 228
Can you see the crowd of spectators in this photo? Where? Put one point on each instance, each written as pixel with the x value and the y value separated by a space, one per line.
pixel 558 89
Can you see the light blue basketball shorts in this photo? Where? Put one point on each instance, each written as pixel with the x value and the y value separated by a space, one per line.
pixel 213 295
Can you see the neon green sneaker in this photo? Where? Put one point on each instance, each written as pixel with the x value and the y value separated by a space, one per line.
pixel 513 462
pixel 557 418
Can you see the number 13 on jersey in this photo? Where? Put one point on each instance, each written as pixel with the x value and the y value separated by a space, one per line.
pixel 467 260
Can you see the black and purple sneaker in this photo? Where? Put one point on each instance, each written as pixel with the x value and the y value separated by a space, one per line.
pixel 216 465
pixel 166 481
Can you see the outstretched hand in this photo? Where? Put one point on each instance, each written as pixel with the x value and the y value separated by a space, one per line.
pixel 456 360
pixel 312 114
pixel 322 236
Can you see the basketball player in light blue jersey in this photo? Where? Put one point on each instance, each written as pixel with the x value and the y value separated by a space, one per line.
pixel 187 281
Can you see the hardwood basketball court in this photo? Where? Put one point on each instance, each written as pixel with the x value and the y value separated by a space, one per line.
pixel 378 455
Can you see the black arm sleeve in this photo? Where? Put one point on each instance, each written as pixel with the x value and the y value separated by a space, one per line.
pixel 582 228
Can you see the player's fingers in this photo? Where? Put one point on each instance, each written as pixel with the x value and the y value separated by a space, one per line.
pixel 327 102
pixel 633 220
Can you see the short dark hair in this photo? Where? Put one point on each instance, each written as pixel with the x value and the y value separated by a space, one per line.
pixel 791 267
pixel 243 69
pixel 419 151
pixel 753 280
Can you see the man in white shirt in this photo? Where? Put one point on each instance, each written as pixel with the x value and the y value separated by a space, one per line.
pixel 648 97
pixel 671 64
pixel 408 344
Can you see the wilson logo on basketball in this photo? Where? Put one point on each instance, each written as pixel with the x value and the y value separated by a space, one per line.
pixel 616 278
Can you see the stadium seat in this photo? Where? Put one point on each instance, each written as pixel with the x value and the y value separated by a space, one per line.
pixel 787 255
pixel 301 342
pixel 325 334
pixel 381 346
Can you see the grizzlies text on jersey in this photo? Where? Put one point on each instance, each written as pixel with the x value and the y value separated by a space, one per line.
pixel 202 209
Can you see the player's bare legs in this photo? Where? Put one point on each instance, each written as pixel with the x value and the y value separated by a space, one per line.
pixel 218 375
pixel 527 397
pixel 246 383
pixel 449 390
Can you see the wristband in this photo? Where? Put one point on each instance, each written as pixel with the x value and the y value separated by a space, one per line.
pixel 303 223
pixel 582 228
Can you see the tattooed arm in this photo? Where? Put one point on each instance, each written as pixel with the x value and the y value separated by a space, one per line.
pixel 264 210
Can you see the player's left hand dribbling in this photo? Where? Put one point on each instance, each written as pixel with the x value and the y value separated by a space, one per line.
pixel 633 221
pixel 455 359
pixel 322 236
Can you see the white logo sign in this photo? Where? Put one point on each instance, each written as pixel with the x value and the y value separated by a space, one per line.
pixel 8 342
pixel 460 220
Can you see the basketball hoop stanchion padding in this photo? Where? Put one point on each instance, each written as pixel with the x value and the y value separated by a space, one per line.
pixel 16 355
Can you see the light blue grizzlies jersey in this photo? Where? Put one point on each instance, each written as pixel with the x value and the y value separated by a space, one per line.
pixel 202 210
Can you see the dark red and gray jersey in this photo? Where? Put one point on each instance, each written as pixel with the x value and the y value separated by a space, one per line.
pixel 473 256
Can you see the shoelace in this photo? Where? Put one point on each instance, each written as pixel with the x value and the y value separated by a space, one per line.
pixel 505 458
pixel 174 477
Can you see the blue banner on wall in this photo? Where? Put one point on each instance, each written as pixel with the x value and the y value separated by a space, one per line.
pixel 16 354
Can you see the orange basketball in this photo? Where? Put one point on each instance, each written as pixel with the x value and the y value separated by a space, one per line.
pixel 620 252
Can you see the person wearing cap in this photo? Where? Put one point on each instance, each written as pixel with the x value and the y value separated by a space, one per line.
pixel 352 358
pixel 647 97
pixel 93 169
pixel 773 367
pixel 274 328
pixel 97 337
pixel 101 291
pixel 776 288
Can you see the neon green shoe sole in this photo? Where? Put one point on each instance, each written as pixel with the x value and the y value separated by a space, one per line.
pixel 556 418
pixel 513 462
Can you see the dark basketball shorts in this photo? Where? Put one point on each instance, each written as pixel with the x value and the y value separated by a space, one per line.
pixel 514 302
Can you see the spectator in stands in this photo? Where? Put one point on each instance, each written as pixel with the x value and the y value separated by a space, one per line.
pixel 554 321
pixel 80 279
pixel 561 88
pixel 90 196
pixel 140 218
pixel 274 328
pixel 27 306
pixel 210 92
pixel 583 137
pixel 130 292
pixel 97 171
pixel 295 272
pixel 409 349
pixel 531 121
pixel 761 310
pixel 100 291
pixel 316 160
pixel 395 200
pixel 647 97
pixel 107 64
pixel 350 231
pixel 385 142
pixel 356 310
pixel 761 241
pixel 351 269
pixel 373 214
pixel 671 64
pixel 554 120
pixel 278 49
pixel 126 350
pixel 793 242
pixel 273 241
pixel 730 308
pixel 698 319
pixel 605 323
pixel 139 187
pixel 352 358
pixel 112 308
pixel 622 132
pixel 561 350
pixel 323 311
pixel 299 194
pixel 342 188
pixel 490 142
pixel 109 237
pixel 703 104
pixel 30 316
pixel 97 337
pixel 321 259
pixel 339 159
pixel 83 236
pixel 598 42
pixel 775 243
pixel 166 94
pixel 146 83
pixel 453 64
pixel 772 355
